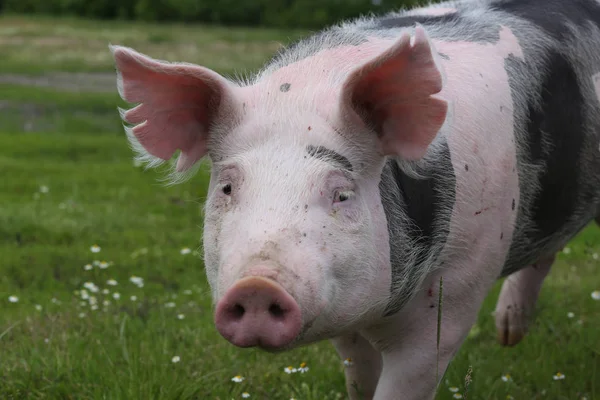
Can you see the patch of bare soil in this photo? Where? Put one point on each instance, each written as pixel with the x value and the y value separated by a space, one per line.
pixel 75 82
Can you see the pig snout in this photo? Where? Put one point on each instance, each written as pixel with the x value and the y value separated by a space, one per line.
pixel 257 311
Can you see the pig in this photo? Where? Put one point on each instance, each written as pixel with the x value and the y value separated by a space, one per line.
pixel 368 163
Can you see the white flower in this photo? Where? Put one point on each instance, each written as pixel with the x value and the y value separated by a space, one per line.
pixel 94 307
pixel 457 396
pixel 348 362
pixel 93 300
pixel 238 379
pixel 245 395
pixel 595 256
pixel 44 189
pixel 38 307
pixel 567 250
pixel 290 370
pixel 133 298
pixel 187 291
pixel 453 389
pixel 88 267
pixel 96 263
pixel 175 359
pixel 558 377
pixel 170 304
pixel 596 295
pixel 106 303
pixel 105 291
pixel 506 378
pixel 116 296
pixel 84 294
pixel 13 299
pixel 180 316
pixel 303 368
pixel 136 280
pixel 95 249
pixel 82 315
pixel 91 287
pixel 570 315
pixel 185 250
pixel 111 282
pixel 55 300
pixel 103 264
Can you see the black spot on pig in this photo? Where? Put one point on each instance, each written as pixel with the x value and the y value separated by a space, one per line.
pixel 427 205
pixel 555 22
pixel 285 87
pixel 466 167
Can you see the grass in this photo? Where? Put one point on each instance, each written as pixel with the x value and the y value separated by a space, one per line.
pixel 68 183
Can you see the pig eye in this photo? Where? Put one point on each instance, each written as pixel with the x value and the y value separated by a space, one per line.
pixel 345 195
pixel 227 189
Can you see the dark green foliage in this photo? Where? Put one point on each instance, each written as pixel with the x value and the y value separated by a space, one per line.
pixel 311 14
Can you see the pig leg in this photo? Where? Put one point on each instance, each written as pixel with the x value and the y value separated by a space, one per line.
pixel 517 301
pixel 364 365
pixel 408 340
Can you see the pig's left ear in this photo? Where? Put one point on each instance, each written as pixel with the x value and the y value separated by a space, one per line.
pixel 393 94
pixel 177 104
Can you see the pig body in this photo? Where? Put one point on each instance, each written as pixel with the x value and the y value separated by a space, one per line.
pixel 362 164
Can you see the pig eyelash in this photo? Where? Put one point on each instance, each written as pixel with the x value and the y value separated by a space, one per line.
pixel 341 196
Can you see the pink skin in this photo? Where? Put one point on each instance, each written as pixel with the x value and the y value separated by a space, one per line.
pixel 304 259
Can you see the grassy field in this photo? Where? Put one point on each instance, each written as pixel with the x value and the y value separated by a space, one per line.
pixel 67 183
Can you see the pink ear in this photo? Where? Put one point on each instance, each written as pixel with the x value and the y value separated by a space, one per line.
pixel 393 94
pixel 178 103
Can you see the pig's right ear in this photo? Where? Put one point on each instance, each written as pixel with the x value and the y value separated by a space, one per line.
pixel 177 103
pixel 393 94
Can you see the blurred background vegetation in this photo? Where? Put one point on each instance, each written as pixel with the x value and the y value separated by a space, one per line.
pixel 309 14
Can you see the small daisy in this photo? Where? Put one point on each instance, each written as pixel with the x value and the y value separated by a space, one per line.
pixel 88 267
pixel 595 256
pixel 170 304
pixel 187 291
pixel 84 294
pixel 103 264
pixel 13 299
pixel 567 250
pixel 96 263
pixel 238 378
pixel 180 316
pixel 570 315
pixel 290 370
pixel 453 389
pixel 457 396
pixel 82 315
pixel 348 362
pixel 95 249
pixel 175 359
pixel 245 395
pixel 136 280
pixel 105 291
pixel 106 303
pixel 94 307
pixel 91 287
pixel 44 189
pixel 116 296
pixel 185 250
pixel 55 300
pixel 38 307
pixel 596 295
pixel 111 282
pixel 133 298
pixel 558 377
pixel 93 300
pixel 506 378
pixel 303 368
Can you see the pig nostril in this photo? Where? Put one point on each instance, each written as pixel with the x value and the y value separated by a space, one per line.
pixel 237 311
pixel 276 311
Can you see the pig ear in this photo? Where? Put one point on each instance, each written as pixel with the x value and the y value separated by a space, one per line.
pixel 393 94
pixel 177 105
